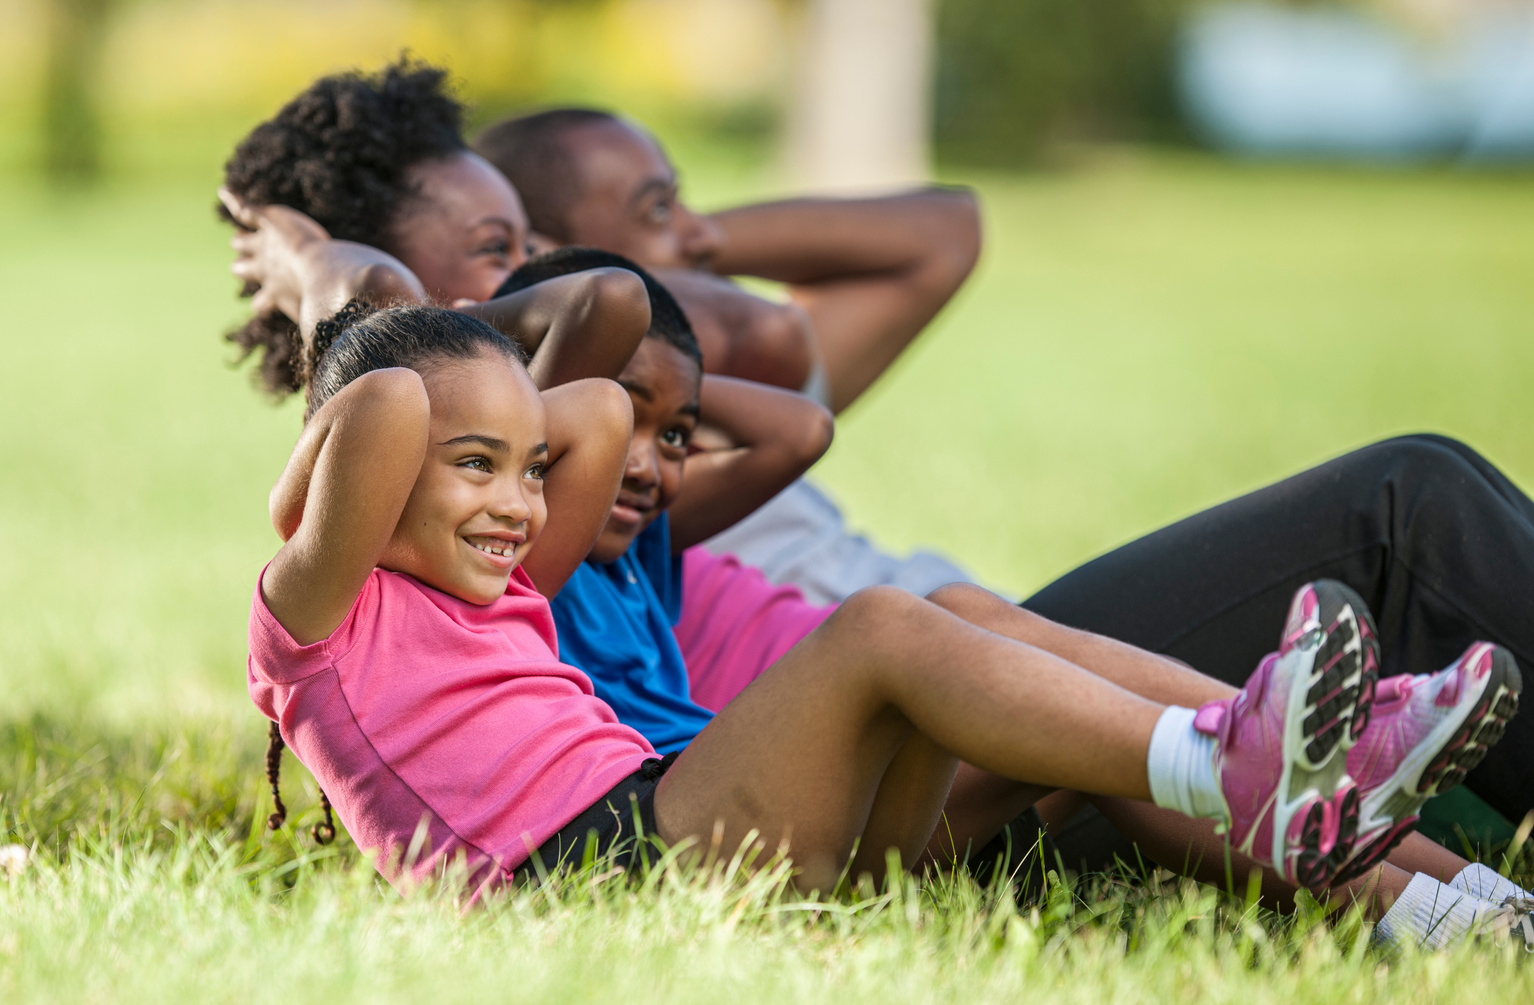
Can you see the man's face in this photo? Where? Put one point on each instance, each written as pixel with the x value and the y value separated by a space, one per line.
pixel 628 200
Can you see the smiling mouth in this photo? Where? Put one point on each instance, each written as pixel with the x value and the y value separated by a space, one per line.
pixel 492 546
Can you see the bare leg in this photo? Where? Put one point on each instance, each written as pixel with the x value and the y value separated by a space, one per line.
pixel 981 804
pixel 802 754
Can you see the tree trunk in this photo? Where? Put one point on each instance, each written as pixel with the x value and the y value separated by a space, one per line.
pixel 71 100
pixel 860 118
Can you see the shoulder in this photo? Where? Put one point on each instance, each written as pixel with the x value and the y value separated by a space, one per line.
pixel 276 656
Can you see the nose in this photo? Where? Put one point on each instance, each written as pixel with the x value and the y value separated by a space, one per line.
pixel 510 503
pixel 642 469
pixel 701 237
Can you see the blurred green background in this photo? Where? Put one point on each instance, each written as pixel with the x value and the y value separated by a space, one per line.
pixel 1151 329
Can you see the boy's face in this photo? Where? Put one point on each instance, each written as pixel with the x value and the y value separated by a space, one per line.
pixel 465 231
pixel 477 505
pixel 663 384
pixel 628 200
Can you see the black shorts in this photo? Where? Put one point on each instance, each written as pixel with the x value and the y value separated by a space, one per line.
pixel 621 822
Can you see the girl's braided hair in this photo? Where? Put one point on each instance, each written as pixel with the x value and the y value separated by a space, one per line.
pixel 359 340
pixel 340 152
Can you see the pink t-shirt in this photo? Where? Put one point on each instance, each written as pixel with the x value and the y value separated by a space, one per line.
pixel 421 706
pixel 736 623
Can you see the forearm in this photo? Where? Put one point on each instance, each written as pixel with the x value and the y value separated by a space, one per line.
pixel 590 423
pixel 806 241
pixel 777 436
pixel 386 403
pixel 346 271
pixel 577 326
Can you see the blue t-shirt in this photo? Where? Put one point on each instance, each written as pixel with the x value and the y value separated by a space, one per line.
pixel 614 623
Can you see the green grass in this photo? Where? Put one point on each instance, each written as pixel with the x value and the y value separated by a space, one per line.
pixel 1145 337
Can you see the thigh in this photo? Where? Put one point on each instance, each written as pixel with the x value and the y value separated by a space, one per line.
pixel 1429 534
pixel 797 757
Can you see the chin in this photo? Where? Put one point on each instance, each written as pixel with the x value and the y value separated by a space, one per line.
pixel 609 548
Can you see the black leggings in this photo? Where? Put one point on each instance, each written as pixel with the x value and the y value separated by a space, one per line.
pixel 1438 542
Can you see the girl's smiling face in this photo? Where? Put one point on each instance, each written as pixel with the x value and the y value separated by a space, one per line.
pixel 663 383
pixel 477 505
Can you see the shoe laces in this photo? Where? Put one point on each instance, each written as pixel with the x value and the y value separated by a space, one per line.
pixel 1515 915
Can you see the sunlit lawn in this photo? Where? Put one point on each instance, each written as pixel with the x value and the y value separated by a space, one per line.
pixel 1145 337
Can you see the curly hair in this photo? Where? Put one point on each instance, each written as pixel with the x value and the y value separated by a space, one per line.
pixel 341 152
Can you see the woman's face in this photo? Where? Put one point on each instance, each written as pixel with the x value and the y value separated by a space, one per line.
pixel 464 232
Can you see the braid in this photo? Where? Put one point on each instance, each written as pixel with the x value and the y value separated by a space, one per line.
pixel 274 747
pixel 325 334
pixel 323 833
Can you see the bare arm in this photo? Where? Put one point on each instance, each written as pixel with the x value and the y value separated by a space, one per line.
pixel 340 497
pixel 589 426
pixel 586 324
pixel 870 273
pixel 741 334
pixel 777 435
pixel 303 273
pixel 582 325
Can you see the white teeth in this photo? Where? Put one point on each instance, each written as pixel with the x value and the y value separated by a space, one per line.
pixel 493 550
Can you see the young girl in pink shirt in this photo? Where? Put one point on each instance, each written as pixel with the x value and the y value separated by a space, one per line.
pixel 400 640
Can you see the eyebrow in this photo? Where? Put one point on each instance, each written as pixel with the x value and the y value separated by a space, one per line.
pixel 637 389
pixel 651 185
pixel 691 410
pixel 488 442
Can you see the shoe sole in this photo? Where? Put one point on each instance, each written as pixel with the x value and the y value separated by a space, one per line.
pixel 1440 762
pixel 1315 825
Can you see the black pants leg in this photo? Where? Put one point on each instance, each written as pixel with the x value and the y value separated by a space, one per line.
pixel 1437 541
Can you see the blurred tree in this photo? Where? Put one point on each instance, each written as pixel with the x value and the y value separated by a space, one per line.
pixel 1014 76
pixel 858 118
pixel 71 110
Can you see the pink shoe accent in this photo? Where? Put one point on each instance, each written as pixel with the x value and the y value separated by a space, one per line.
pixel 1427 732
pixel 1210 718
pixel 1282 740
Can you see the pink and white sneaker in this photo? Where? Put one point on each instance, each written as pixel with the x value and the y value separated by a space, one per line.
pixel 1427 732
pixel 1283 739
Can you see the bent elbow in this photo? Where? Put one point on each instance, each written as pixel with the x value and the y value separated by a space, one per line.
pixel 617 297
pixel 777 349
pixel 820 430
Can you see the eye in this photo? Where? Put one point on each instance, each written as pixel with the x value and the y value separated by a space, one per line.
pixel 476 463
pixel 499 248
pixel 676 438
pixel 535 472
pixel 659 212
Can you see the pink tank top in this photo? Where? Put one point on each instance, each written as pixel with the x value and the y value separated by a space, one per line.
pixel 736 623
pixel 425 716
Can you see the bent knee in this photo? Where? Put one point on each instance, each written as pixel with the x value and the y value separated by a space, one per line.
pixel 962 597
pixel 1419 457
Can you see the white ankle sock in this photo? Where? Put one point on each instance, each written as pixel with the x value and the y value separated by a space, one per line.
pixel 1430 915
pixel 1180 764
pixel 1480 881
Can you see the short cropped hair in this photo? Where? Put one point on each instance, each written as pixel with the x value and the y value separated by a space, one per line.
pixel 668 322
pixel 531 151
